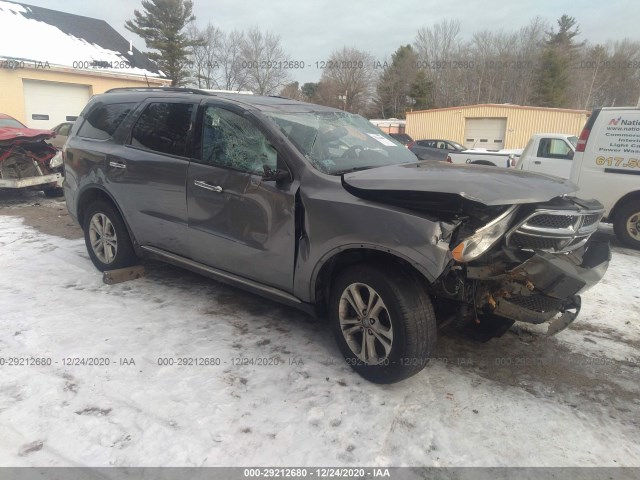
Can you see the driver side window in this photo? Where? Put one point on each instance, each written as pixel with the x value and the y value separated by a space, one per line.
pixel 231 141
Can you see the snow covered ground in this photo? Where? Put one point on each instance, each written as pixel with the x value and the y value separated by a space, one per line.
pixel 520 400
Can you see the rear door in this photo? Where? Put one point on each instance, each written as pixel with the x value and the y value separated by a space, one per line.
pixel 148 174
pixel 239 222
pixel 554 157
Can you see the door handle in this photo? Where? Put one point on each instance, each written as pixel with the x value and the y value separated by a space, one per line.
pixel 537 162
pixel 117 164
pixel 207 186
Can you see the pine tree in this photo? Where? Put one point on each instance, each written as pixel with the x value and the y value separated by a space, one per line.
pixel 552 76
pixel 396 81
pixel 162 26
pixel 421 92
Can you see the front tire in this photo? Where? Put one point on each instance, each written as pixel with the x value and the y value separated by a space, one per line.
pixel 107 238
pixel 626 225
pixel 383 322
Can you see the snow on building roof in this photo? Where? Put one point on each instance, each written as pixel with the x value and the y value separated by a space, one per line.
pixel 41 35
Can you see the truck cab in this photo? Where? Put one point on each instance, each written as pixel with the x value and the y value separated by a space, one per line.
pixel 550 153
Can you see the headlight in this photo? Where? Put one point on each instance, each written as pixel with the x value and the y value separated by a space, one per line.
pixel 56 161
pixel 484 238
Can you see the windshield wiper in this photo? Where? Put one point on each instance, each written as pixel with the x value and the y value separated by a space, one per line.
pixel 349 170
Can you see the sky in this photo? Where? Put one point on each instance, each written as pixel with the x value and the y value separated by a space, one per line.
pixel 310 31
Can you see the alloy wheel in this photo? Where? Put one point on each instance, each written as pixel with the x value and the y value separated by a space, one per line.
pixel 365 323
pixel 102 235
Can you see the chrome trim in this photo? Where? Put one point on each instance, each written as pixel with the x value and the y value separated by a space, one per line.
pixel 206 186
pixel 566 237
pixel 117 165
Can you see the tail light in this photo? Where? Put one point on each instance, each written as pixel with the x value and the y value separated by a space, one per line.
pixel 449 160
pixel 410 144
pixel 582 141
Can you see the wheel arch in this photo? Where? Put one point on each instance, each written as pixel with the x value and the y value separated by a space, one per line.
pixel 340 258
pixel 629 197
pixel 483 162
pixel 95 193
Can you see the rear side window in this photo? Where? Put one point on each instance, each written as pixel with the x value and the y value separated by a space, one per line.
pixel 163 128
pixel 104 119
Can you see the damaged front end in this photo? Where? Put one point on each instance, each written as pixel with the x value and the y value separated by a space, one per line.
pixel 26 161
pixel 540 259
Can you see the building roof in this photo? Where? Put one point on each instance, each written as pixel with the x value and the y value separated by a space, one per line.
pixel 43 36
pixel 503 105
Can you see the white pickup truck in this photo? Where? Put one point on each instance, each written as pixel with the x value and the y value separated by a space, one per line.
pixel 550 153
pixel 479 156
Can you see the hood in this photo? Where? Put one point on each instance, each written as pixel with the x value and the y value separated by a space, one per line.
pixel 479 183
pixel 14 136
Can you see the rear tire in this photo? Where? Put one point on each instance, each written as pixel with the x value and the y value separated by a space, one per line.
pixel 626 224
pixel 393 334
pixel 107 238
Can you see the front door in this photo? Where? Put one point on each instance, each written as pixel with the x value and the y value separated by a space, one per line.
pixel 554 158
pixel 238 221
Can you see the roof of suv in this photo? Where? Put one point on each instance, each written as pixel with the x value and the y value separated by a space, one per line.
pixel 263 103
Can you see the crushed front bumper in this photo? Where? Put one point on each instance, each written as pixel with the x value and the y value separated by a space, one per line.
pixel 31 181
pixel 543 286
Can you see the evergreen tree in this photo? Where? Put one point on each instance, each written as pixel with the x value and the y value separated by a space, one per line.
pixel 396 82
pixel 421 92
pixel 552 75
pixel 162 26
pixel 309 90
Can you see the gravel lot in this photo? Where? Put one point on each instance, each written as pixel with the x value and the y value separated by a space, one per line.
pixel 520 400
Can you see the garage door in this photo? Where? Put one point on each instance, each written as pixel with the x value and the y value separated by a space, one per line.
pixel 485 133
pixel 49 103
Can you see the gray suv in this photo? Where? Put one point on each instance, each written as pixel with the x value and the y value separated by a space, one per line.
pixel 316 208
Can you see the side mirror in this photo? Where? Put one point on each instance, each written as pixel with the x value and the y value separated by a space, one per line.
pixel 279 175
pixel 570 155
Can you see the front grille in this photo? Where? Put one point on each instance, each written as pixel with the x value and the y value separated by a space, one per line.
pixel 554 230
pixel 552 221
pixel 529 242
pixel 589 220
pixel 537 303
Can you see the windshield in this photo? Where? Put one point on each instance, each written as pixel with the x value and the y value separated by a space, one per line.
pixel 457 146
pixel 574 141
pixel 339 142
pixel 10 122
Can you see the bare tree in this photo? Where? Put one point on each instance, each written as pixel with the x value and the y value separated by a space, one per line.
pixel 232 74
pixel 265 62
pixel 438 47
pixel 348 81
pixel 204 56
pixel 528 47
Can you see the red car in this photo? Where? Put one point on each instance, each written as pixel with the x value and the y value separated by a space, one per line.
pixel 26 161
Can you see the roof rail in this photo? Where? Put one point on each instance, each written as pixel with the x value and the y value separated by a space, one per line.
pixel 159 89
